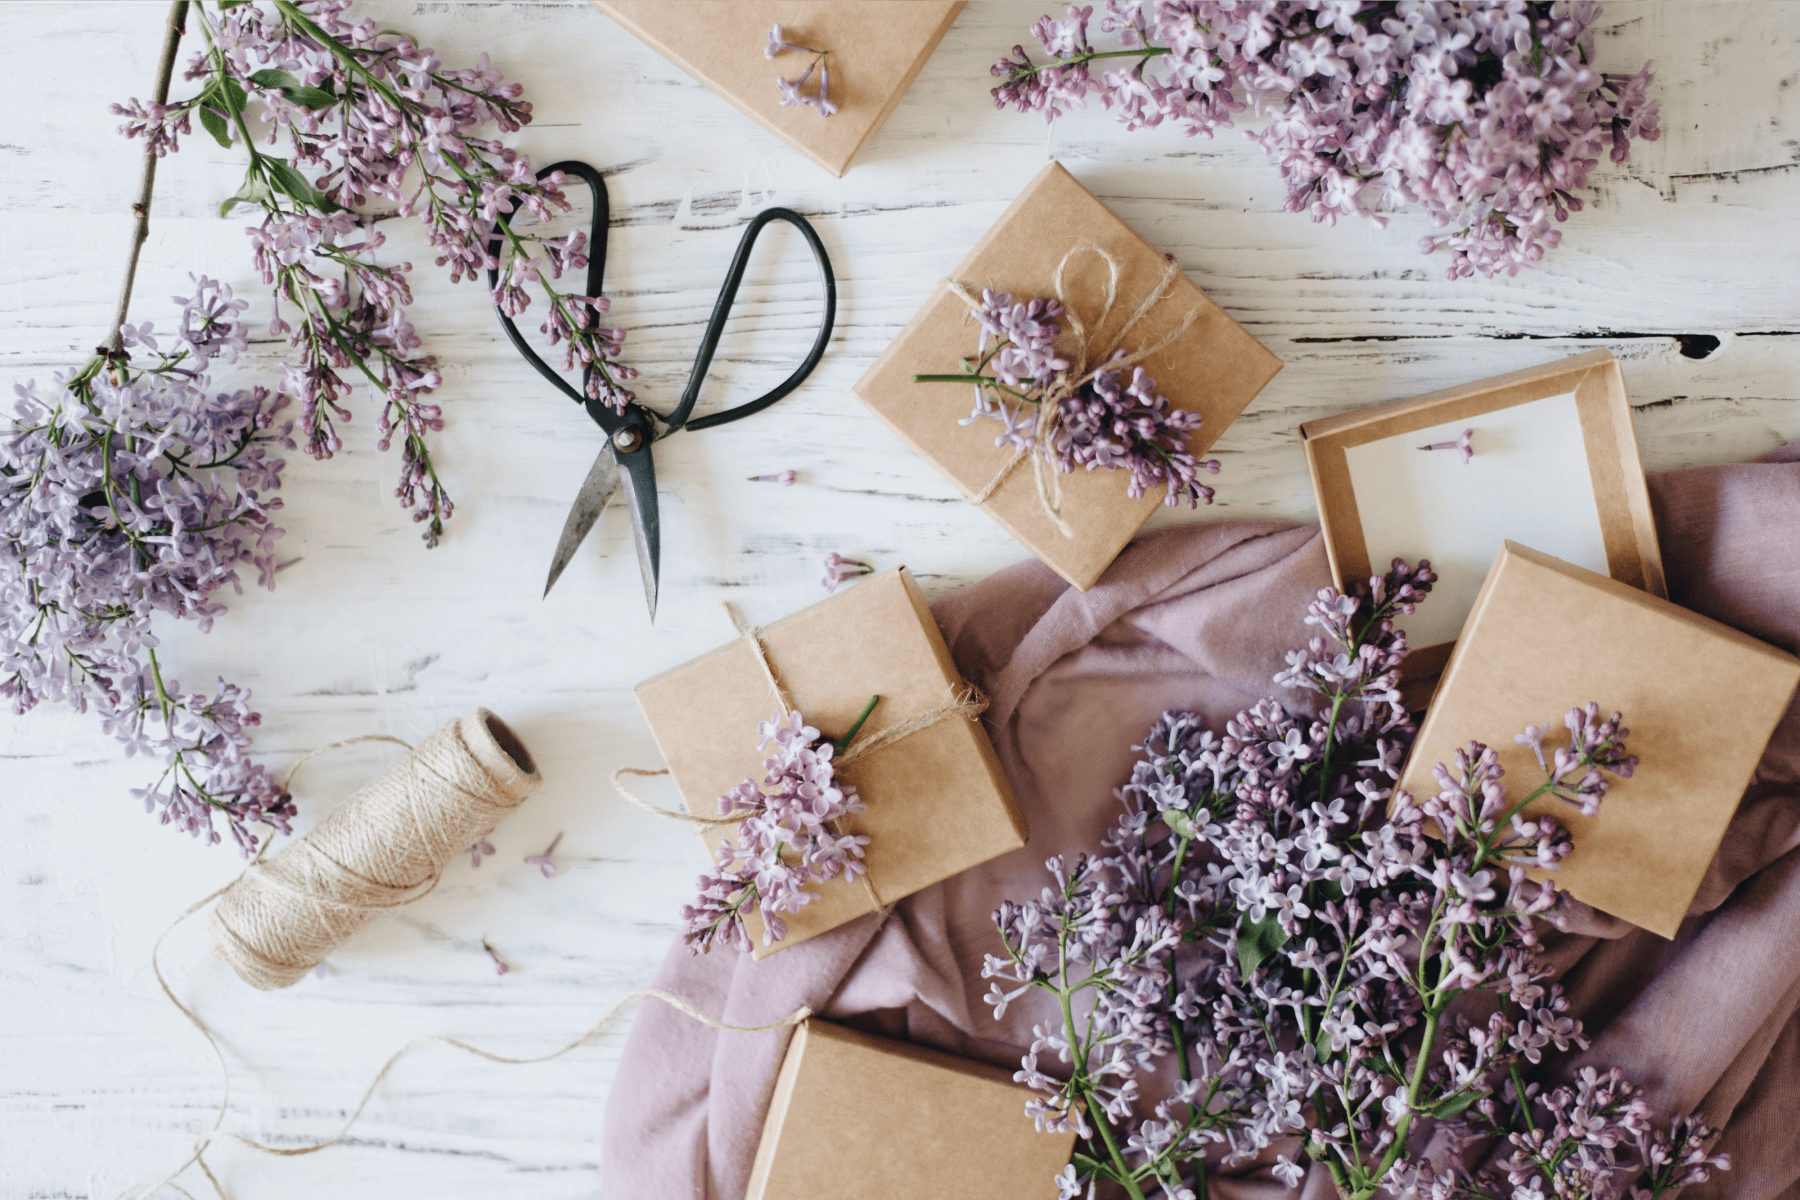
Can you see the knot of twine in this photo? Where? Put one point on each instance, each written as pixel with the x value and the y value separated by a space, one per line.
pixel 1088 356
pixel 966 703
pixel 385 847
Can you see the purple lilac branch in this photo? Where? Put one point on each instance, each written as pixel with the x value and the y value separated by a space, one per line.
pixel 1488 116
pixel 786 842
pixel 132 491
pixel 1109 422
pixel 1297 935
pixel 352 110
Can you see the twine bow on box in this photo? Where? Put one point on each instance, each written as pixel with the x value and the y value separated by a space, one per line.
pixel 1088 357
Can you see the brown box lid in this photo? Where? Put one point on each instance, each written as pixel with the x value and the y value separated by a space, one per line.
pixel 876 51
pixel 938 801
pixel 1216 368
pixel 856 1117
pixel 1609 445
pixel 1701 700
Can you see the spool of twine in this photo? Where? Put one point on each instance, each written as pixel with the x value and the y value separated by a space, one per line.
pixel 385 847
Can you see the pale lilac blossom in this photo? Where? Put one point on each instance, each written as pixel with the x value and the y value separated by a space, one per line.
pixel 543 861
pixel 1489 116
pixel 839 569
pixel 131 492
pixel 786 843
pixel 1463 445
pixel 500 966
pixel 356 116
pixel 793 90
pixel 1110 421
pixel 1273 921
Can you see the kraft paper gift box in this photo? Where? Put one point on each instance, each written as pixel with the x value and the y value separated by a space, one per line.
pixel 1700 700
pixel 937 800
pixel 856 1117
pixel 1215 368
pixel 1555 466
pixel 875 53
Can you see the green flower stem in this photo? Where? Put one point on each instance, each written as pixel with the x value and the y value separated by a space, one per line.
pixel 844 742
pixel 1144 52
pixel 980 381
pixel 1122 1172
pixel 1404 1125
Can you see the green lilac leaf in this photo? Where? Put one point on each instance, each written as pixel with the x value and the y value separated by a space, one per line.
pixel 1454 1105
pixel 254 191
pixel 273 78
pixel 308 97
pixel 213 123
pixel 297 185
pixel 1257 940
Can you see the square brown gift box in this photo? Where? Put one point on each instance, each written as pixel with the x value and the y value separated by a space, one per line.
pixel 876 51
pixel 1700 700
pixel 937 800
pixel 1606 443
pixel 856 1117
pixel 1214 368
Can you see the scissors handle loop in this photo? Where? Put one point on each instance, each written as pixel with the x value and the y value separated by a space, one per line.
pixel 715 327
pixel 596 269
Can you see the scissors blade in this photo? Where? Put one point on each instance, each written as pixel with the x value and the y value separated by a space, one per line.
pixel 596 493
pixel 639 484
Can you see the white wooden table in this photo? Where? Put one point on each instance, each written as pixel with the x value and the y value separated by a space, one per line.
pixel 1686 264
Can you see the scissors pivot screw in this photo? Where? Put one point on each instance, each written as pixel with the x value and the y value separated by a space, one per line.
pixel 628 439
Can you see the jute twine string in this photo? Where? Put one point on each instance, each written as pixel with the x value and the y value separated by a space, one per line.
pixel 966 703
pixel 217 1132
pixel 385 847
pixel 1088 357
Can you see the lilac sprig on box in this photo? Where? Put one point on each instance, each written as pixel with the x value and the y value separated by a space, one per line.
pixel 791 89
pixel 1260 918
pixel 1490 117
pixel 357 114
pixel 1110 421
pixel 787 841
pixel 131 492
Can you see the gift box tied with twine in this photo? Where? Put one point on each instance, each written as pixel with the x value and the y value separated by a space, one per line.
pixel 1058 240
pixel 937 799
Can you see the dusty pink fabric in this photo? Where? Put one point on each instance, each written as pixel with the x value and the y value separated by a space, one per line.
pixel 1199 617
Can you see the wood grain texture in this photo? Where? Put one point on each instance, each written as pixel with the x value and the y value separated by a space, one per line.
pixel 101 1081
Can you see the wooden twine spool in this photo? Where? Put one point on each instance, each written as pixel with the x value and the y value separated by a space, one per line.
pixel 383 848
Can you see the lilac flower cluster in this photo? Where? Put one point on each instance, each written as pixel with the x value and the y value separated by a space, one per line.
pixel 1297 936
pixel 791 89
pixel 787 840
pixel 133 491
pixel 1583 1140
pixel 1490 116
pixel 1108 422
pixel 363 114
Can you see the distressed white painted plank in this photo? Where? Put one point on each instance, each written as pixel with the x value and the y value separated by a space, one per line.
pixel 103 1083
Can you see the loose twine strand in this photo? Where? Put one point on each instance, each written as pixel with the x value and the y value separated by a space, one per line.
pixel 218 1133
pixel 966 703
pixel 1088 359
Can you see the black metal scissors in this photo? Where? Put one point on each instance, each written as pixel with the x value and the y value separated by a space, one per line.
pixel 630 434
